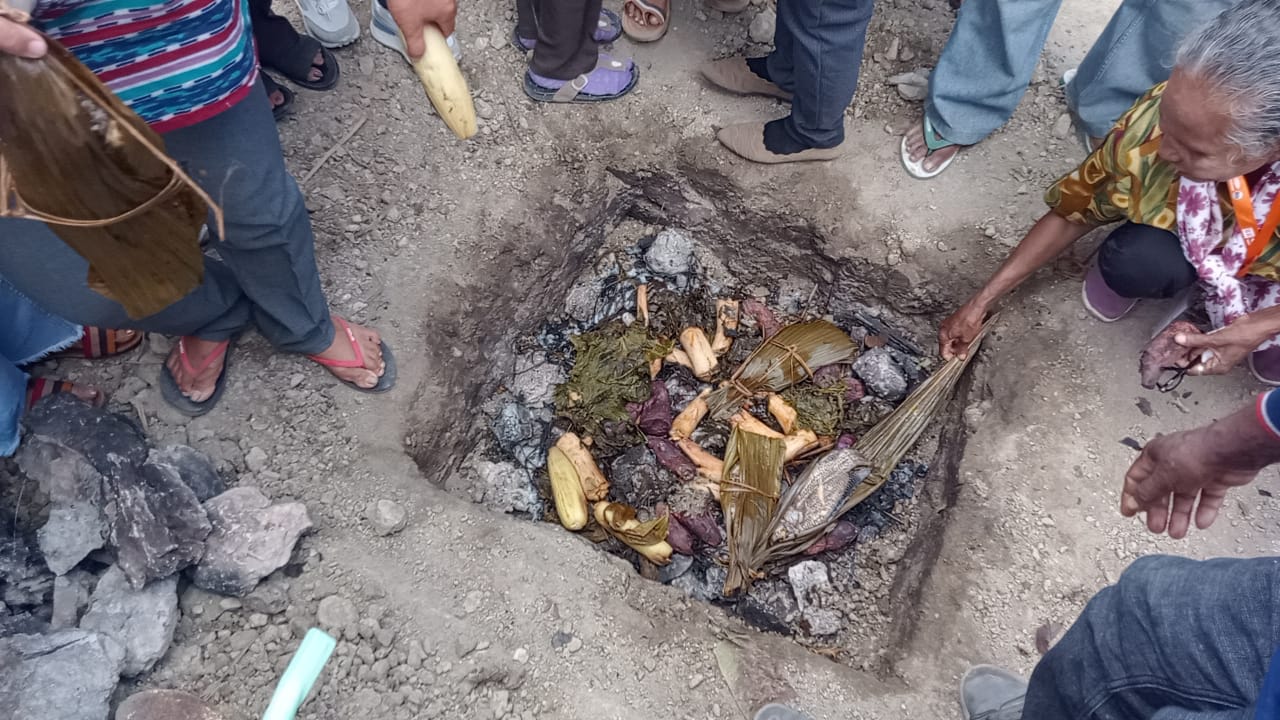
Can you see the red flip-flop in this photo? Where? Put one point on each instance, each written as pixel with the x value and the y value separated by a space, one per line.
pixel 173 394
pixel 388 379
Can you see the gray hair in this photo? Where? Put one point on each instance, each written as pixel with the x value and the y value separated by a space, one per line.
pixel 1238 52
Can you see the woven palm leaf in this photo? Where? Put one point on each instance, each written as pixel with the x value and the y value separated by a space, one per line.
pixel 749 490
pixel 781 361
pixel 74 156
pixel 797 523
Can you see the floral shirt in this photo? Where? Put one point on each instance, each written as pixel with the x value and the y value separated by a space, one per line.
pixel 1124 179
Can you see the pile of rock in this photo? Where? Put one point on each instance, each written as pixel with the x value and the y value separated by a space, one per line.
pixel 92 594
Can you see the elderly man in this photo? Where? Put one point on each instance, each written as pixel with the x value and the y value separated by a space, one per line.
pixel 1174 639
pixel 187 68
pixel 1191 173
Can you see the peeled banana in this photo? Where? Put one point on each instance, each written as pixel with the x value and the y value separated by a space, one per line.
pixel 445 85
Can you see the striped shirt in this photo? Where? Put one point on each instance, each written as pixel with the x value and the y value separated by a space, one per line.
pixel 174 62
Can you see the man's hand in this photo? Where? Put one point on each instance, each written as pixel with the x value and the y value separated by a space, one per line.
pixel 1176 475
pixel 1217 352
pixel 18 39
pixel 960 329
pixel 413 16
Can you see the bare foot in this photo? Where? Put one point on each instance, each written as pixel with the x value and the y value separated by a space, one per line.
pixel 917 150
pixel 639 16
pixel 341 350
pixel 277 98
pixel 198 376
pixel 317 67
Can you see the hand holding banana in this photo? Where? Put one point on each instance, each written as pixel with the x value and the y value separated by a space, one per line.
pixel 424 25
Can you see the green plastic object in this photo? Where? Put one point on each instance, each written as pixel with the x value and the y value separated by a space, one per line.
pixel 303 671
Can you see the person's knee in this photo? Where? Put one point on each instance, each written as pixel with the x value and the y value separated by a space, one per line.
pixel 1138 261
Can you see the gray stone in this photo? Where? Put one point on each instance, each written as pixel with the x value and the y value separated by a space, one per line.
pixel 160 527
pixel 912 85
pixel 671 253
pixel 505 487
pixel 821 621
pixel 251 539
pixel 535 379
pixel 23 575
pixel 70 597
pixel 77 524
pixel 270 597
pixel 65 675
pixel 141 621
pixel 165 705
pixel 199 603
pixel 808 579
pixel 194 467
pixel 336 612
pixel 762 26
pixel 514 426
pixel 580 302
pixel 1062 126
pixel 256 459
pixel 106 439
pixel 881 374
pixel 386 516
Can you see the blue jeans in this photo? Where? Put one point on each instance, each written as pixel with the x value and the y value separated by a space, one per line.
pixel 266 273
pixel 991 55
pixel 30 333
pixel 817 55
pixel 1174 639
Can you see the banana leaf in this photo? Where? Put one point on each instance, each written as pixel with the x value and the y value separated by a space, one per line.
pixel 749 490
pixel 75 157
pixel 807 512
pixel 782 360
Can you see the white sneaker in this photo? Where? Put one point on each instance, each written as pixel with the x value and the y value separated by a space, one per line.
pixel 330 21
pixel 383 28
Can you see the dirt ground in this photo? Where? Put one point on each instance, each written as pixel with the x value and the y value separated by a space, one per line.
pixel 475 615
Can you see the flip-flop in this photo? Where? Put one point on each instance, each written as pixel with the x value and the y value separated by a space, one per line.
pixel 97 343
pixel 644 33
pixel 385 383
pixel 41 388
pixel 283 109
pixel 173 394
pixel 574 91
pixel 608 29
pixel 933 142
pixel 297 61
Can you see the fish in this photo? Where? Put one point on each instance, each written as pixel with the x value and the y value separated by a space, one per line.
pixel 820 491
pixel 1162 352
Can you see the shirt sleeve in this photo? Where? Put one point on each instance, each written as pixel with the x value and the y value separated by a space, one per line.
pixel 1091 194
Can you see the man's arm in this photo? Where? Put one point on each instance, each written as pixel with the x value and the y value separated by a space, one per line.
pixel 1190 472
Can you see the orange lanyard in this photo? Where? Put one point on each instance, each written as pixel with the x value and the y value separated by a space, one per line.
pixel 1255 238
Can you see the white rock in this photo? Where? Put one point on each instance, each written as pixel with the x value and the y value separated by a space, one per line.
pixel 808 579
pixel 763 26
pixel 141 621
pixel 386 516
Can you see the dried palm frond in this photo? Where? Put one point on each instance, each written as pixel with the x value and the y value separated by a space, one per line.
pixel 74 156
pixel 749 491
pixel 782 360
pixel 808 511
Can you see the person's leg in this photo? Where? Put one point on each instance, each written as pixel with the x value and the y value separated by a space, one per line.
pixel 986 65
pixel 565 30
pixel 826 38
pixel 269 247
pixel 1140 261
pixel 1174 639
pixel 526 19
pixel 1134 52
pixel 30 333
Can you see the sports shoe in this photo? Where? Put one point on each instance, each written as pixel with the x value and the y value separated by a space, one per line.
pixel 1265 366
pixel 330 21
pixel 1101 301
pixel 383 28
pixel 991 693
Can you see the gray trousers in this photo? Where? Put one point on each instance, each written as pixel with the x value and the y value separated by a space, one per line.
pixel 992 53
pixel 1174 639
pixel 266 273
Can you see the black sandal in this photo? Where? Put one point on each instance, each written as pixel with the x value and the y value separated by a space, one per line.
pixel 278 111
pixel 285 50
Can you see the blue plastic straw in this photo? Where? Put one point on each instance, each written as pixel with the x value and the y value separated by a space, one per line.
pixel 303 671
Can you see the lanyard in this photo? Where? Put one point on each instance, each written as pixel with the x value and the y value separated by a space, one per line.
pixel 1255 238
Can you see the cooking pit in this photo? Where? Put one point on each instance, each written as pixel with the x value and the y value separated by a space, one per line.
pixel 681 329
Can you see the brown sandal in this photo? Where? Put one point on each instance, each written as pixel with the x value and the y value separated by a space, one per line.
pixel 41 388
pixel 97 343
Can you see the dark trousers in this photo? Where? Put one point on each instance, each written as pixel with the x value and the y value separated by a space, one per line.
pixel 1174 639
pixel 266 276
pixel 1140 261
pixel 817 55
pixel 565 31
